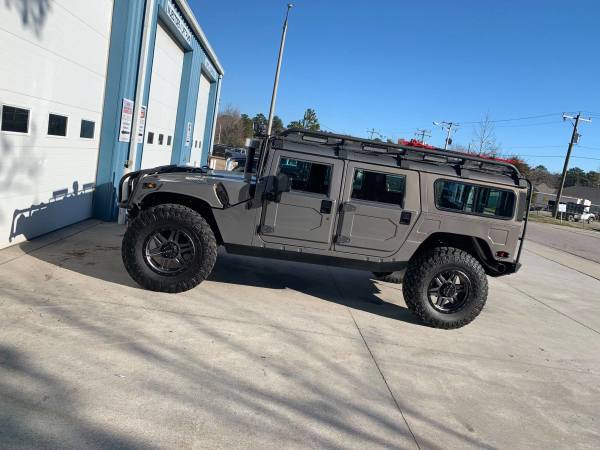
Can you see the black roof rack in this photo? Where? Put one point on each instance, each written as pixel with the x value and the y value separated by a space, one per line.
pixel 435 156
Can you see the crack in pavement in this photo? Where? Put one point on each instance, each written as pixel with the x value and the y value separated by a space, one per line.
pixel 337 287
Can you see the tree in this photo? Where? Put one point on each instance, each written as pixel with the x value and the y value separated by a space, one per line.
pixel 260 124
pixel 575 177
pixel 230 128
pixel 540 175
pixel 520 164
pixel 308 122
pixel 277 125
pixel 484 137
pixel 247 125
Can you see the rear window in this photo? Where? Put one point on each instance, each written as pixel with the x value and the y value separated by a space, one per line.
pixel 474 199
pixel 378 187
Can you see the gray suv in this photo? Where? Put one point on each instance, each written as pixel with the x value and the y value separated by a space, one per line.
pixel 447 219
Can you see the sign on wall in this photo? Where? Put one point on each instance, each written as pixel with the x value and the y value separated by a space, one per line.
pixel 179 22
pixel 141 125
pixel 126 119
pixel 188 134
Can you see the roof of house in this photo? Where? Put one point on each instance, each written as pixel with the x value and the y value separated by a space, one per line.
pixel 585 192
pixel 544 188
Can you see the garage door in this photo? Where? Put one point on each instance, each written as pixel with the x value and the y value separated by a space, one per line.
pixel 200 123
pixel 53 58
pixel 165 82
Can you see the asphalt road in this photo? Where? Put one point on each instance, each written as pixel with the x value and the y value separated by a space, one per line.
pixel 276 354
pixel 580 242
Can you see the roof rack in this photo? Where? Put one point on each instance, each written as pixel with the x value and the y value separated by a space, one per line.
pixel 434 156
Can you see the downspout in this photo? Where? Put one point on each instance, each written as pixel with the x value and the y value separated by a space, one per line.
pixel 139 95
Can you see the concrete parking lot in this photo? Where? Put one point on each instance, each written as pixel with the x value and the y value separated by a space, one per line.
pixel 271 354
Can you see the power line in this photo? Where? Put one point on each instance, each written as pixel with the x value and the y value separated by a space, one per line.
pixel 513 119
pixel 554 122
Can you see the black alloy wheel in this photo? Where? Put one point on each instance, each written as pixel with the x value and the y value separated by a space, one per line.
pixel 449 290
pixel 169 251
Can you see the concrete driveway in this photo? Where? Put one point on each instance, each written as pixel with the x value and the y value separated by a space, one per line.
pixel 271 354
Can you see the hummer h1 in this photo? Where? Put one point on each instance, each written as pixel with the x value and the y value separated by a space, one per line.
pixel 446 218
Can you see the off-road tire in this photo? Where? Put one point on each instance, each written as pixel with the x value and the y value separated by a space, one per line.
pixel 390 277
pixel 420 274
pixel 169 215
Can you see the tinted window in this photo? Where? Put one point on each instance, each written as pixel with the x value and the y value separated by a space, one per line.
pixel 15 119
pixel 169 140
pixel 150 137
pixel 378 187
pixel 57 125
pixel 306 176
pixel 161 137
pixel 87 129
pixel 474 199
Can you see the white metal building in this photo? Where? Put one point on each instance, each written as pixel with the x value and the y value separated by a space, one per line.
pixel 88 90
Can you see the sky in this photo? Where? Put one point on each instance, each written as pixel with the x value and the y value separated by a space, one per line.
pixel 397 66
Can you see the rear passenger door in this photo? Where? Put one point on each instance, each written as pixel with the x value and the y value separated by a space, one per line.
pixel 304 216
pixel 379 207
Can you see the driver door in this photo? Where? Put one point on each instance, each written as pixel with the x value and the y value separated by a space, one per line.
pixel 304 216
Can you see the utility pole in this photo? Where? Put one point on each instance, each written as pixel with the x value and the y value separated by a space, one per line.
pixel 372 131
pixel 448 127
pixel 574 140
pixel 423 133
pixel 279 59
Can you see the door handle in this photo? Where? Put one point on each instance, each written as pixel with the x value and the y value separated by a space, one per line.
pixel 326 206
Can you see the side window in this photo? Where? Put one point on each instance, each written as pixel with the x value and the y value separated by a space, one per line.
pixel 150 137
pixel 474 199
pixel 87 129
pixel 57 125
pixel 378 187
pixel 15 119
pixel 161 138
pixel 307 176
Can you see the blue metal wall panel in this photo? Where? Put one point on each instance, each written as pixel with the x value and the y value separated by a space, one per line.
pixel 127 24
pixel 128 17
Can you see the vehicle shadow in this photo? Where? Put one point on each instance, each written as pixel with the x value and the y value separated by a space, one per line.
pixel 355 289
pixel 96 252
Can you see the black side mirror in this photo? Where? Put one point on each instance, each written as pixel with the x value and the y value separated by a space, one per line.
pixel 277 185
pixel 282 183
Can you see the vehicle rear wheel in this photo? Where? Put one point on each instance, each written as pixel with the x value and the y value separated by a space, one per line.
pixel 169 248
pixel 445 287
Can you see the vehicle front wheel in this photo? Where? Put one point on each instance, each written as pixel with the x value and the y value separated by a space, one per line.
pixel 169 248
pixel 445 287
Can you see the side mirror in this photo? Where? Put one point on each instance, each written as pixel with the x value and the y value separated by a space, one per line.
pixel 282 184
pixel 277 185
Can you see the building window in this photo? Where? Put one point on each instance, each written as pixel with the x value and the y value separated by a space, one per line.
pixel 378 187
pixel 161 138
pixel 474 199
pixel 150 137
pixel 15 119
pixel 87 129
pixel 307 176
pixel 169 140
pixel 57 125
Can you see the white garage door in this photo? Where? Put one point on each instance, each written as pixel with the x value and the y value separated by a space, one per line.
pixel 53 58
pixel 164 100
pixel 200 122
